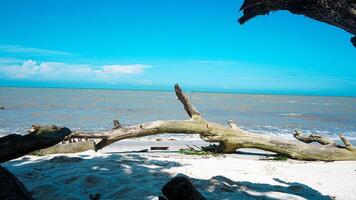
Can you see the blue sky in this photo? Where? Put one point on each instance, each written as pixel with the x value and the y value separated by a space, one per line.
pixel 152 44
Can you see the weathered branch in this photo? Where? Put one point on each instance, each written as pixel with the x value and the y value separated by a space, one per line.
pixel 232 124
pixel 339 13
pixel 191 111
pixel 347 143
pixel 13 146
pixel 116 124
pixel 313 138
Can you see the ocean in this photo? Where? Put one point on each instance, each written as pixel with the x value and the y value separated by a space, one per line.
pixel 94 109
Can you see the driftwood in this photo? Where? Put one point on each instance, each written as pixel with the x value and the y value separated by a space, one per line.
pixel 14 146
pixel 11 188
pixel 230 138
pixel 73 147
pixel 339 13
pixel 159 148
pixel 180 188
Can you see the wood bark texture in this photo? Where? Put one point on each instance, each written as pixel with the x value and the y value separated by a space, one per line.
pixel 339 13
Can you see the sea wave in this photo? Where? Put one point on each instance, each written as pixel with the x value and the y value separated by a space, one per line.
pixel 291 114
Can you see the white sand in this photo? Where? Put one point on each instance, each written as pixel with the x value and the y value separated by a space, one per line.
pixel 118 175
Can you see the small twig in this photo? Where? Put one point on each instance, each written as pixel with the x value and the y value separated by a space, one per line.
pixel 232 124
pixel 299 135
pixel 116 123
pixel 347 143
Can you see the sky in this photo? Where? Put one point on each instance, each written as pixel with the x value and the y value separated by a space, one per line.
pixel 153 44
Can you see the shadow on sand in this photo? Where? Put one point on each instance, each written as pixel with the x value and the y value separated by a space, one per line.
pixel 133 176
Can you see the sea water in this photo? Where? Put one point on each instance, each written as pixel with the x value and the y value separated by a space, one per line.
pixel 94 110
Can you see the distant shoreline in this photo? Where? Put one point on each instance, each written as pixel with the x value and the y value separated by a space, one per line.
pixel 190 91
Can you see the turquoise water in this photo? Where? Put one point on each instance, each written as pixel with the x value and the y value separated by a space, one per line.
pixel 92 109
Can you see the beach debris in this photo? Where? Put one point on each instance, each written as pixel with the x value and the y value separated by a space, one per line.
pixel 11 187
pixel 276 158
pixel 193 152
pixel 159 148
pixel 180 188
pixel 164 139
pixel 117 124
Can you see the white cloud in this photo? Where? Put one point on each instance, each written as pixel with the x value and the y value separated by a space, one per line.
pixel 124 69
pixel 59 71
pixel 17 49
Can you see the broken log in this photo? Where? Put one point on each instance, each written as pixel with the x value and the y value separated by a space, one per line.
pixel 339 13
pixel 39 137
pixel 75 147
pixel 230 138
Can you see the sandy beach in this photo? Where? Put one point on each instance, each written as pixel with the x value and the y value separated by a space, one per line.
pixel 119 173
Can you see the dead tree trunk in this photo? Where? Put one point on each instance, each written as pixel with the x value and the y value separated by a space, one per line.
pixel 230 138
pixel 339 13
pixel 14 146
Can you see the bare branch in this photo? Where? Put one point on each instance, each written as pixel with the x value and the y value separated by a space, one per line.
pixel 191 110
pixel 116 124
pixel 232 124
pixel 347 143
pixel 339 13
pixel 299 135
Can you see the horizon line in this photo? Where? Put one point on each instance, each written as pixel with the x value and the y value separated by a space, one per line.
pixel 172 90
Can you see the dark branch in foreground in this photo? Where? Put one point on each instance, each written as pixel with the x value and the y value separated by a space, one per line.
pixel 14 146
pixel 339 13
